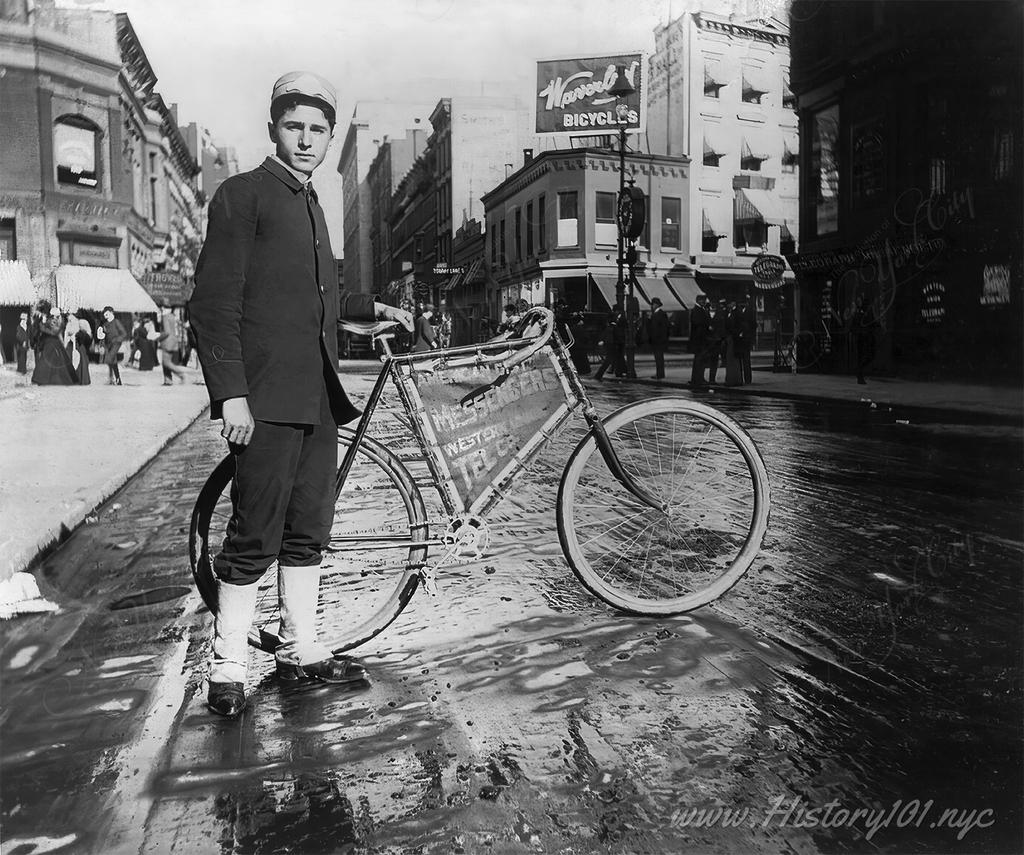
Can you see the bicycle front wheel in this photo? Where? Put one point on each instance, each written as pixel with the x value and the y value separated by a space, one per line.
pixel 371 565
pixel 713 487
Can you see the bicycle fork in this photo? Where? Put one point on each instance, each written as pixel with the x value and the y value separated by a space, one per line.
pixel 611 459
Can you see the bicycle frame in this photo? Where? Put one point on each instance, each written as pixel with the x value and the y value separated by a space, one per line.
pixel 505 354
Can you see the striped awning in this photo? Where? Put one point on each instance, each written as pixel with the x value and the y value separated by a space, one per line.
pixel 79 287
pixel 753 205
pixel 16 284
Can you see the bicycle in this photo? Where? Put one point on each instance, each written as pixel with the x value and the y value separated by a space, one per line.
pixel 661 507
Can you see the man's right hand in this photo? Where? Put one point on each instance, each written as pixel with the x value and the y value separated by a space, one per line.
pixel 238 421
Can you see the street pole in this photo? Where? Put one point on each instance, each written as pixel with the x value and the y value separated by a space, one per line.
pixel 621 90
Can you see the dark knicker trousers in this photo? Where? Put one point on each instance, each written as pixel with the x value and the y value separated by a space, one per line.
pixel 282 497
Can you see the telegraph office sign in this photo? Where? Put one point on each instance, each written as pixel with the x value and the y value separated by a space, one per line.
pixel 572 95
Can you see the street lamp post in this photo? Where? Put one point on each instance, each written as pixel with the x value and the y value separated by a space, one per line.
pixel 621 90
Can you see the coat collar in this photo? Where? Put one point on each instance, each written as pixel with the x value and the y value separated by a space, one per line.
pixel 284 175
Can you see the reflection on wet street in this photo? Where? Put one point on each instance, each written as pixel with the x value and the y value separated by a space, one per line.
pixel 857 691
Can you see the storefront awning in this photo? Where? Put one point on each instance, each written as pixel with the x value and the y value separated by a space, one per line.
pixel 78 287
pixel 649 287
pixel 754 205
pixel 16 284
pixel 450 283
pixel 677 293
pixel 685 289
pixel 474 273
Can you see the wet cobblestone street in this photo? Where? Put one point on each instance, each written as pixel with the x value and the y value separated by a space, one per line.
pixel 870 659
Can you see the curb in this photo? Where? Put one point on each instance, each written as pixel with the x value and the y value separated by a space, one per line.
pixel 47 541
pixel 922 412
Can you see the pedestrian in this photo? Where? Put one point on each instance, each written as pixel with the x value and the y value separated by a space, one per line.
pixel 423 337
pixel 444 329
pixel 21 341
pixel 700 323
pixel 733 366
pixel 169 343
pixel 149 335
pixel 862 329
pixel 747 327
pixel 715 341
pixel 135 345
pixel 613 338
pixel 77 341
pixel 53 363
pixel 265 310
pixel 111 333
pixel 658 336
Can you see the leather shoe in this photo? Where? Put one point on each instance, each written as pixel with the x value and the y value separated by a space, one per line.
pixel 226 698
pixel 337 669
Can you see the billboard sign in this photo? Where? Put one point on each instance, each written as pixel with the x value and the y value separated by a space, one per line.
pixel 572 95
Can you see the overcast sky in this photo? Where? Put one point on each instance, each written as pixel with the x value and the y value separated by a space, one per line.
pixel 218 59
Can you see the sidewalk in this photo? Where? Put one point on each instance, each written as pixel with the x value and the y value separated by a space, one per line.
pixel 969 402
pixel 66 449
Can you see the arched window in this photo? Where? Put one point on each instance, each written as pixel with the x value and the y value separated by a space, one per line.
pixel 75 151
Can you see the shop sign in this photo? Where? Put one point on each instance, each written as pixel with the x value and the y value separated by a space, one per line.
pixel 767 271
pixel 447 270
pixel 91 255
pixel 166 286
pixel 572 95
pixel 995 285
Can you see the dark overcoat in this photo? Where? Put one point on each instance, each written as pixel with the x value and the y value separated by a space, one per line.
pixel 266 302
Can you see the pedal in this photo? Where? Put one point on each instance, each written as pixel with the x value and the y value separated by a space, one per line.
pixel 429 581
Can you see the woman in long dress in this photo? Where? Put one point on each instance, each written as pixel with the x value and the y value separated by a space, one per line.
pixel 423 331
pixel 147 346
pixel 77 340
pixel 53 364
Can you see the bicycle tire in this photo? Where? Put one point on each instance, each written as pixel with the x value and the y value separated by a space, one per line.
pixel 715 535
pixel 385 575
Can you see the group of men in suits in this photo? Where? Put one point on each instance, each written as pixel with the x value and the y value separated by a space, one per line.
pixel 721 332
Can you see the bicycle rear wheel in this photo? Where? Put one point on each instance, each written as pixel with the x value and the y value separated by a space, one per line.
pixel 713 486
pixel 371 565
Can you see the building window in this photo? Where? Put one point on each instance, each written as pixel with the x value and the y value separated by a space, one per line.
pixel 787 241
pixel 867 162
pixel 519 234
pixel 1003 162
pixel 749 235
pixel 501 232
pixel 824 171
pixel 529 229
pixel 790 154
pixel 8 246
pixel 713 79
pixel 75 150
pixel 494 245
pixel 754 84
pixel 606 232
pixel 542 235
pixel 752 154
pixel 788 98
pixel 937 175
pixel 709 237
pixel 568 219
pixel 713 147
pixel 671 210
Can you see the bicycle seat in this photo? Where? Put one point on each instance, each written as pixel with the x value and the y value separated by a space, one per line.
pixel 366 327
